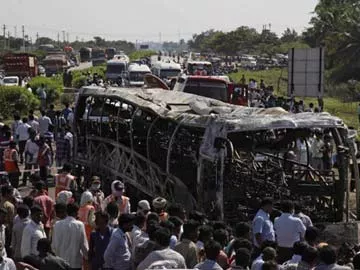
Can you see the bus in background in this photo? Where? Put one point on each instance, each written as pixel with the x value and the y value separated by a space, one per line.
pixel 98 57
pixel 206 86
pixel 109 53
pixel 85 54
pixel 166 70
pixel 116 70
pixel 200 68
pixel 136 74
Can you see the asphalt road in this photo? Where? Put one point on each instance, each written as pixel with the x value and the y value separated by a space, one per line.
pixel 82 66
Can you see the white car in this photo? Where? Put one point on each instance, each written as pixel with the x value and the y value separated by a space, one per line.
pixel 11 81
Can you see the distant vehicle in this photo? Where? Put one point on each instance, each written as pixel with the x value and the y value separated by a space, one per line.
pixel 121 56
pixel 110 52
pixel 247 61
pixel 116 69
pixel 199 68
pixel 85 54
pixel 11 81
pixel 47 47
pixel 98 57
pixel 55 64
pixel 166 70
pixel 20 64
pixel 206 86
pixel 136 74
pixel 41 70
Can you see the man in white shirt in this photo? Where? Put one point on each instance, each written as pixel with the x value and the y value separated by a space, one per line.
pixel 69 239
pixel 262 227
pixel 268 254
pixel 298 248
pixel 22 135
pixel 44 123
pixel 306 220
pixel 289 230
pixel 5 262
pixel 165 256
pixel 317 148
pixel 34 124
pixel 32 233
pixel 31 155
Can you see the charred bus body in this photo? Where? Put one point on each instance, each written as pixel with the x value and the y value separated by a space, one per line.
pixel 219 158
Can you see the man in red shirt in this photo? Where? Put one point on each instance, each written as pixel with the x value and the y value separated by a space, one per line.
pixel 47 205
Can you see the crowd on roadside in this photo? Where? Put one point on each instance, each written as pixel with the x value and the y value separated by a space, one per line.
pixel 107 232
pixel 36 143
pixel 260 95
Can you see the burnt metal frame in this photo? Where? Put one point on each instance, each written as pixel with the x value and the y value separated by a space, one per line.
pixel 124 162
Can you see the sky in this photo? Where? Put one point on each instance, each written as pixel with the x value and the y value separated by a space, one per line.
pixel 144 20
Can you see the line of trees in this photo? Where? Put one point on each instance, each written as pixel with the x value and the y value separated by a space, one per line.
pixel 246 40
pixel 335 25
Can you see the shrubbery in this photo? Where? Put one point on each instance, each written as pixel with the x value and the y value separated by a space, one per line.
pixel 16 98
pixel 141 54
pixel 53 87
pixel 79 76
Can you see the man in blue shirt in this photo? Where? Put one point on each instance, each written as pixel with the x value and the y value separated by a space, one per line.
pixel 117 255
pixel 262 226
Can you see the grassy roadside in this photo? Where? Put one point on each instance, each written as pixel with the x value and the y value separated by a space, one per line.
pixel 347 111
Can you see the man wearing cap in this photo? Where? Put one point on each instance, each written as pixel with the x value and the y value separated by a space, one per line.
pixel 11 159
pixel 64 180
pixel 123 202
pixel 143 207
pixel 117 255
pixel 159 205
pixel 96 192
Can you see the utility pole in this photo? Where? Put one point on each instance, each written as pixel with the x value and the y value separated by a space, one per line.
pixel 23 36
pixel 63 32
pixel 67 37
pixel 15 32
pixel 160 38
pixel 8 40
pixel 37 36
pixel 4 33
pixel 58 39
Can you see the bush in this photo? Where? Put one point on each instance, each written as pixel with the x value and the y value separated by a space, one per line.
pixel 67 98
pixel 79 81
pixel 141 54
pixel 53 87
pixel 79 76
pixel 16 98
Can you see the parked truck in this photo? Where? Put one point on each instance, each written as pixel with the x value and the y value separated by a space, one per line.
pixel 20 64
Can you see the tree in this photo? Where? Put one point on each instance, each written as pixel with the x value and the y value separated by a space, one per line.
pixel 44 40
pixel 335 25
pixel 289 36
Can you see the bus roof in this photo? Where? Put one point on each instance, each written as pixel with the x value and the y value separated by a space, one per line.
pixel 138 68
pixel 167 65
pixel 198 111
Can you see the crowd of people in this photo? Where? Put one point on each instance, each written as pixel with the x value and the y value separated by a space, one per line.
pixel 99 232
pixel 258 94
pixel 36 143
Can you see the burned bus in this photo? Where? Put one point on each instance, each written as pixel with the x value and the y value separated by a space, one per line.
pixel 208 155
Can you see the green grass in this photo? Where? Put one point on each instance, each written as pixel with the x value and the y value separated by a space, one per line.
pixel 275 77
pixel 347 111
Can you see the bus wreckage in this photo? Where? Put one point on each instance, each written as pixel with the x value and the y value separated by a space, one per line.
pixel 208 155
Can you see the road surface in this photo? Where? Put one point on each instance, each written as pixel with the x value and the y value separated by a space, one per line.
pixel 82 66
